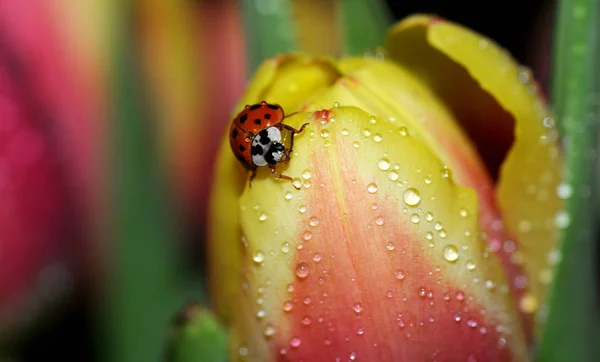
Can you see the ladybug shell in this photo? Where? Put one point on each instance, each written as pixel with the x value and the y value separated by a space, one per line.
pixel 249 123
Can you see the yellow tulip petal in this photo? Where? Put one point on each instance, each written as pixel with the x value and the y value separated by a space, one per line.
pixel 492 96
pixel 286 80
pixel 368 221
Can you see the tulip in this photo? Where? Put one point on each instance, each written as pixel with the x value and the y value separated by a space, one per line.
pixel 425 224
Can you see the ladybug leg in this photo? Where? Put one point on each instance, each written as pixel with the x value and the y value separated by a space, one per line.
pixel 280 176
pixel 252 175
pixel 294 132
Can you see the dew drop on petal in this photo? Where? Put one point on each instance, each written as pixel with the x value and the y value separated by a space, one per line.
pixel 379 221
pixel 306 175
pixel 297 182
pixel 450 253
pixel 358 308
pixel 302 270
pixel 345 131
pixel 372 188
pixel 415 218
pixel 269 331
pixel 285 247
pixel 263 216
pixel 470 265
pixel 412 197
pixel 393 175
pixel 307 235
pixel 355 144
pixel 464 212
pixel 324 133
pixel 472 323
pixel 288 306
pixel 403 131
pixel 258 257
pixel 302 209
pixel 429 216
pixel 288 195
pixel 399 274
pixel 384 164
pixel 313 221
pixel 377 137
pixel 295 342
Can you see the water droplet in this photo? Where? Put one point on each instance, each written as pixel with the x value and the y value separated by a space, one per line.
pixel 464 212
pixel 263 216
pixel 377 137
pixel 288 195
pixel 269 331
pixel 358 308
pixel 352 356
pixel 471 322
pixel 285 247
pixel 422 292
pixel 446 173
pixel 450 253
pixel 429 216
pixel 379 221
pixel 297 182
pixel 355 144
pixel 390 246
pixel 457 317
pixel 324 133
pixel 302 209
pixel 306 175
pixel 295 342
pixel 399 274
pixel 313 221
pixel 372 188
pixel 307 235
pixel 438 226
pixel 528 303
pixel 372 120
pixel 367 132
pixel 384 164
pixel 302 270
pixel 258 257
pixel 317 258
pixel 564 191
pixel 412 197
pixel 428 179
pixel 403 131
pixel 306 320
pixel 470 265
pixel 393 175
pixel 336 104
pixel 415 218
pixel 389 294
pixel 260 314
pixel 345 132
pixel 442 234
pixel 429 235
pixel 288 306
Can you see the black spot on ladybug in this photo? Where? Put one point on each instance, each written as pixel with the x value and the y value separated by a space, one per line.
pixel 267 116
pixel 257 121
pixel 243 118
pixel 242 148
pixel 256 106
pixel 264 137
pixel 275 148
pixel 234 134
pixel 273 106
pixel 257 150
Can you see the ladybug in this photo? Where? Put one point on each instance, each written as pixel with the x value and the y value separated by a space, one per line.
pixel 256 141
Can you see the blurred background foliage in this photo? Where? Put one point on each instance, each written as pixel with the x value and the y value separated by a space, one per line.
pixel 131 98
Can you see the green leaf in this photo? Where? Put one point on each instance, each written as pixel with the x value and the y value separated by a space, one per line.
pixel 571 331
pixel 268 26
pixel 198 337
pixel 146 284
pixel 364 25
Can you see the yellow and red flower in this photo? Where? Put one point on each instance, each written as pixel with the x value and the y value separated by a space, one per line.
pixel 427 216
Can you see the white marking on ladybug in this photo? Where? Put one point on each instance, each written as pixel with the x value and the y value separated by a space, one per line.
pixel 267 147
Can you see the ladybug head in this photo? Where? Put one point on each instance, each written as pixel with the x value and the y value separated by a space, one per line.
pixel 275 153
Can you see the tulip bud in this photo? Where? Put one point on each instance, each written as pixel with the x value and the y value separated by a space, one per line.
pixel 393 249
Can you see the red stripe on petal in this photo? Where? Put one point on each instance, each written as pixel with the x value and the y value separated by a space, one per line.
pixel 370 294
